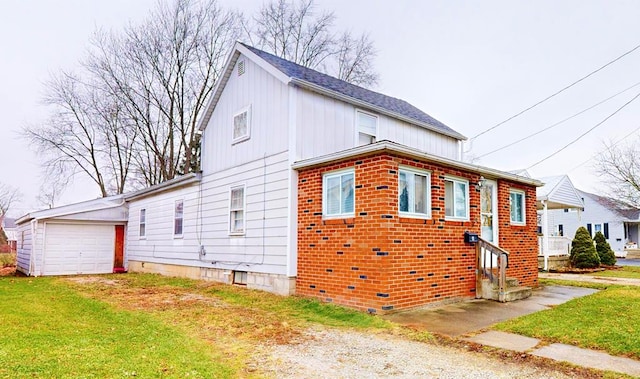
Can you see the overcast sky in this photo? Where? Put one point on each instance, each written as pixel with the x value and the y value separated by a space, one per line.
pixel 470 64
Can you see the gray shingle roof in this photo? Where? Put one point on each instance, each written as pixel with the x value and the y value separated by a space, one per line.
pixel 628 212
pixel 376 99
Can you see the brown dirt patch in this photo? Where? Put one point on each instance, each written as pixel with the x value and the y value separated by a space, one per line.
pixel 8 271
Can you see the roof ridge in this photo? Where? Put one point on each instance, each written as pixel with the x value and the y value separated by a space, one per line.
pixel 396 107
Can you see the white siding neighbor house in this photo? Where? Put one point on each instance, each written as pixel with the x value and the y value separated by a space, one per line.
pixel 82 238
pixel 617 221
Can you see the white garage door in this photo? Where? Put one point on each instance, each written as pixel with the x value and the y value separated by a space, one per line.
pixel 78 249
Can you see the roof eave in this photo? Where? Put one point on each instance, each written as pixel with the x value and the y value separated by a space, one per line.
pixel 180 181
pixel 364 104
pixel 407 151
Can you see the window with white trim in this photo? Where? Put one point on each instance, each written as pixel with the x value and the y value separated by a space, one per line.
pixel 178 218
pixel 518 207
pixel 338 194
pixel 143 222
pixel 241 125
pixel 456 199
pixel 236 210
pixel 366 128
pixel 414 195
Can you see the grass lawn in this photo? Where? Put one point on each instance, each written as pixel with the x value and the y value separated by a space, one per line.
pixel 632 272
pixel 147 326
pixel 608 320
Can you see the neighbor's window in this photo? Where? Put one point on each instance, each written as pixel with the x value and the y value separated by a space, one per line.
pixel 456 199
pixel 178 218
pixel 241 124
pixel 236 211
pixel 338 192
pixel 366 127
pixel 143 222
pixel 517 202
pixel 413 192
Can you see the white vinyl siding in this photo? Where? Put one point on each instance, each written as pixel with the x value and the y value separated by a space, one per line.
pixel 269 120
pixel 517 207
pixel 414 193
pixel 366 128
pixel 236 210
pixel 178 218
pixel 456 199
pixel 326 125
pixel 206 241
pixel 338 194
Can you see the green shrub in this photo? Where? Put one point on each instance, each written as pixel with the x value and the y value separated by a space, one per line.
pixel 583 252
pixel 607 257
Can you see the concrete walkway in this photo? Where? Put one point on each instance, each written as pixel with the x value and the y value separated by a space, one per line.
pixel 461 320
pixel 589 278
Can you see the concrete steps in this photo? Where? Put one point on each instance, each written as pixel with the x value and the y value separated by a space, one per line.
pixel 513 291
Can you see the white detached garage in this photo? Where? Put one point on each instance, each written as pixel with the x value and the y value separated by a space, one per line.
pixel 82 238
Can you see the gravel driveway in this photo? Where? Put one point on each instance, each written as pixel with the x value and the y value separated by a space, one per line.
pixel 346 354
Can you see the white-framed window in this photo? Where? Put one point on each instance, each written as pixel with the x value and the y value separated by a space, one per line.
pixel 414 192
pixel 143 223
pixel 456 199
pixel 338 194
pixel 241 125
pixel 236 210
pixel 366 128
pixel 518 207
pixel 178 218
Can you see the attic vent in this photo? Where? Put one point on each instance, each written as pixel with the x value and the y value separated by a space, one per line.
pixel 241 67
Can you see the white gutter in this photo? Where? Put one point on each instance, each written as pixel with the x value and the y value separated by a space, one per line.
pixel 165 186
pixel 545 235
pixel 404 150
pixel 34 229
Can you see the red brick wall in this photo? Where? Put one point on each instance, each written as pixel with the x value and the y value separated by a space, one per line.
pixel 520 241
pixel 378 261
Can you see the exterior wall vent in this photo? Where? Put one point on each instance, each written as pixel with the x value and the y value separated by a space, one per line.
pixel 241 67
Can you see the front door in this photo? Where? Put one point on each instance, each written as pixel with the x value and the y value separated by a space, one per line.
pixel 488 211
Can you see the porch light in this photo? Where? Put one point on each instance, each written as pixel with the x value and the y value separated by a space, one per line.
pixel 480 182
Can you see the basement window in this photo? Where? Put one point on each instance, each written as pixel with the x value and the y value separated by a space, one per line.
pixel 240 278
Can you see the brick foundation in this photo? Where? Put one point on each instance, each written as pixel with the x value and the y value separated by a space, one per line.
pixel 378 261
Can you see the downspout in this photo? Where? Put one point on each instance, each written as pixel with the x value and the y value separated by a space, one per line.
pixel 545 235
pixel 34 228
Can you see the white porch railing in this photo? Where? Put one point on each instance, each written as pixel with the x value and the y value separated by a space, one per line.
pixel 557 246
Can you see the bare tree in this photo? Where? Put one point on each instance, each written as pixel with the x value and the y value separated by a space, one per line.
pixel 294 31
pixel 83 135
pixel 164 71
pixel 8 196
pixel 620 168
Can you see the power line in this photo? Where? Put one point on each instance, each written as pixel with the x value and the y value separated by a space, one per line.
pixel 612 145
pixel 557 92
pixel 559 122
pixel 585 133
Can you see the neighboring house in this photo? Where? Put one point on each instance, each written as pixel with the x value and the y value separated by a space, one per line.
pixel 558 193
pixel 81 238
pixel 618 222
pixel 8 224
pixel 315 186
